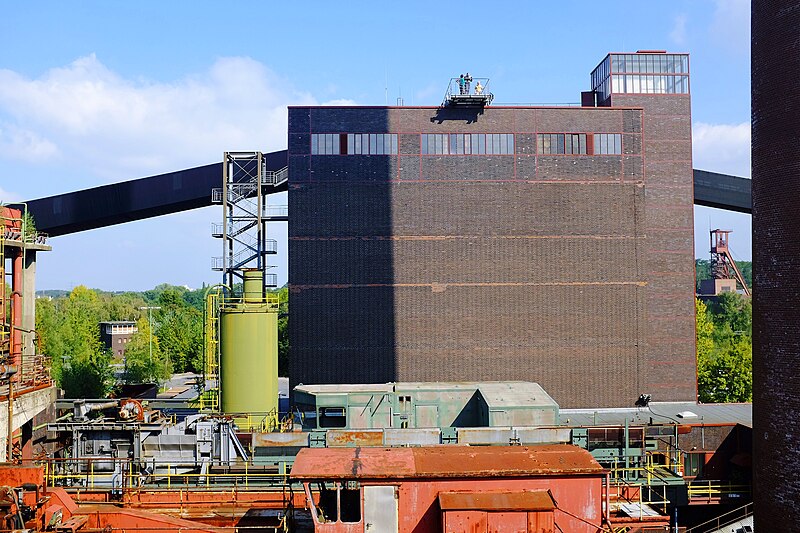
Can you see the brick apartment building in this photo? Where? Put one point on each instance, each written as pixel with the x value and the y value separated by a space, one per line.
pixel 548 244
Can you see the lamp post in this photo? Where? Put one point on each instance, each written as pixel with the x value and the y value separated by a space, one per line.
pixel 149 309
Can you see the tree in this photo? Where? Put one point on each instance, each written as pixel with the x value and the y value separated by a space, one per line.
pixel 283 332
pixel 144 360
pixel 68 329
pixel 705 331
pixel 724 350
pixel 702 268
pixel 729 376
pixel 733 314
pixel 180 332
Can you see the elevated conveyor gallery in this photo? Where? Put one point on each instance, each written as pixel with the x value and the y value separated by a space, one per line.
pixel 138 199
pixel 183 190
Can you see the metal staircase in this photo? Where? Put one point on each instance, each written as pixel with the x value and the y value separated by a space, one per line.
pixel 736 520
pixel 246 184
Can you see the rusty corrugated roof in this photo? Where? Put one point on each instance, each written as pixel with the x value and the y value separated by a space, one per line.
pixel 527 500
pixel 446 461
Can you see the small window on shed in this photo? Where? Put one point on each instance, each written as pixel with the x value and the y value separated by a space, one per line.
pixel 332 417
pixel 324 492
pixel 350 502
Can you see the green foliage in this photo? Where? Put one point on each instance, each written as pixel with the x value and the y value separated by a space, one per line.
pixel 702 270
pixel 28 225
pixel 68 325
pixel 179 328
pixel 69 334
pixel 705 331
pixel 145 362
pixel 283 332
pixel 732 315
pixel 724 349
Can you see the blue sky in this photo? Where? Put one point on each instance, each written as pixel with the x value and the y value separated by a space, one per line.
pixel 94 92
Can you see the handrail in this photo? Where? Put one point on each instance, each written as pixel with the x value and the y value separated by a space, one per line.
pixel 717 522
pixel 133 474
pixel 274 177
pixel 712 488
pixel 247 188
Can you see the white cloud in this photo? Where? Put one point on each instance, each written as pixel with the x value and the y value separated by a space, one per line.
pixel 8 197
pixel 25 145
pixel 730 26
pixel 84 115
pixel 722 148
pixel 678 33
pixel 340 102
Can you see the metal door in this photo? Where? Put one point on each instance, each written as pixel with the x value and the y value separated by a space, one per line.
pixel 426 416
pixel 380 509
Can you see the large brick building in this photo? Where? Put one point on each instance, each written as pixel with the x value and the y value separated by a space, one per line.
pixel 549 244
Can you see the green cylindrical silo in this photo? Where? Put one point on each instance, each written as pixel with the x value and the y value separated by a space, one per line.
pixel 253 285
pixel 249 358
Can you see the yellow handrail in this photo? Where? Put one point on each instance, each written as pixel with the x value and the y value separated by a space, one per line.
pixel 714 489
pixel 88 477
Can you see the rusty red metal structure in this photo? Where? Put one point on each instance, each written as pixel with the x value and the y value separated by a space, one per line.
pixel 452 488
pixel 28 504
pixel 722 264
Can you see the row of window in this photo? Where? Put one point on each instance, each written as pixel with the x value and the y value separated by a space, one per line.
pixel 579 143
pixel 353 144
pixel 646 84
pixel 608 143
pixel 466 143
pixel 561 143
pixel 650 63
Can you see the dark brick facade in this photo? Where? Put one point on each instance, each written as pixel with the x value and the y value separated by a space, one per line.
pixel 776 264
pixel 571 271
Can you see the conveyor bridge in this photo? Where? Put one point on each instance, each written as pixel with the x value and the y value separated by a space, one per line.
pixel 194 188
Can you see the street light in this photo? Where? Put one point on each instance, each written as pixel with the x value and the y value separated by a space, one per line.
pixel 149 309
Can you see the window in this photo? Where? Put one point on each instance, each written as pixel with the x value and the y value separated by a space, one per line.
pixel 354 144
pixel 332 417
pixel 324 143
pixel 561 143
pixel 350 501
pixel 467 144
pixel 326 508
pixel 371 144
pixel 608 143
pixel 575 143
pixel 650 73
pixel 338 501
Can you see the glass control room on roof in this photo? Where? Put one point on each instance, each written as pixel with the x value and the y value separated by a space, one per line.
pixel 641 73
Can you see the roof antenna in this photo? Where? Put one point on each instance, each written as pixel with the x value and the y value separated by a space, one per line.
pixel 386 87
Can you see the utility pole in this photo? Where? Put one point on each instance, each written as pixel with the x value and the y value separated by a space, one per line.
pixel 149 309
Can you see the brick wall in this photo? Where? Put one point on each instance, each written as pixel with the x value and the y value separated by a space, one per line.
pixel 776 264
pixel 436 268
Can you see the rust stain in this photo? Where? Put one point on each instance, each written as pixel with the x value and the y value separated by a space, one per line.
pixel 357 438
pixel 527 500
pixel 443 462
